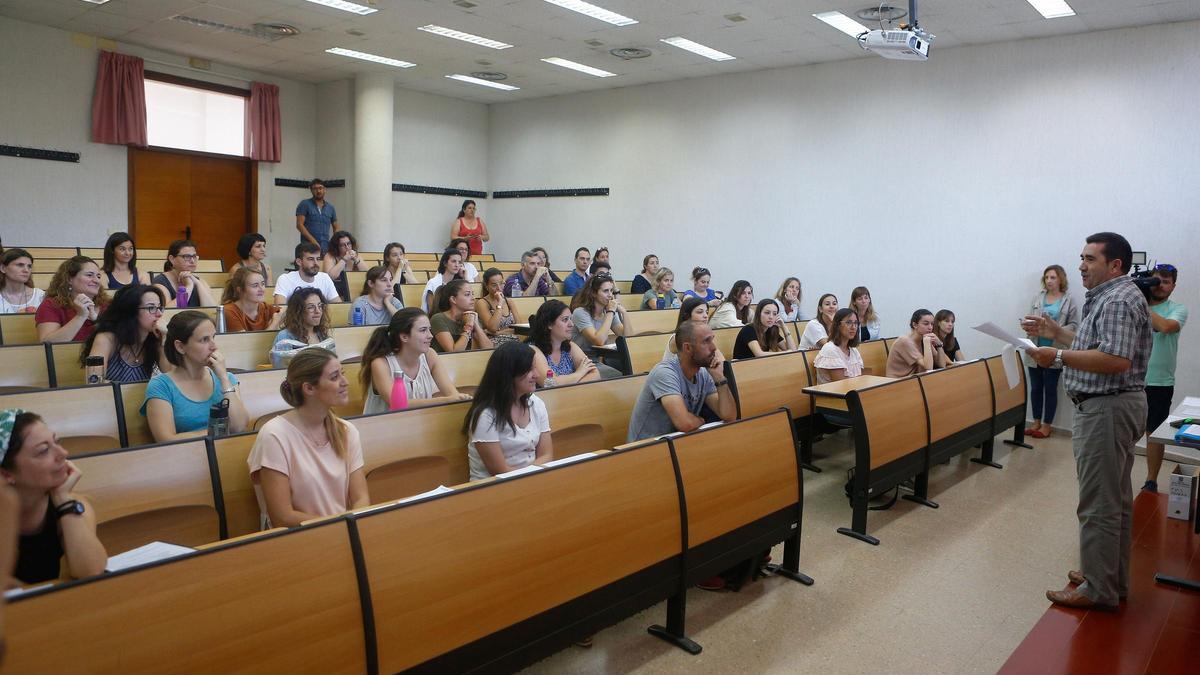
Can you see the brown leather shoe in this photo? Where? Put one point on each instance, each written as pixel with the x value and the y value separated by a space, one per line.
pixel 1076 600
pixel 1076 577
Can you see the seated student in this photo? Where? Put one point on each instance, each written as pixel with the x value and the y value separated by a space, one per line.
pixel 644 281
pixel 252 255
pixel 449 268
pixel 53 522
pixel 507 423
pixel 180 270
pixel 244 303
pixel 19 296
pixel 692 309
pixel 602 257
pixel 177 403
pixel 72 303
pixel 919 350
pixel 469 271
pixel 860 302
pixel 399 370
pixel 544 261
pixel 598 319
pixel 788 298
pixel 943 323
pixel 578 276
pixel 378 300
pixel 308 462
pixel 550 336
pixel 816 332
pixel 120 263
pixel 496 314
pixel 599 267
pixel 766 334
pixel 305 324
pixel 129 336
pixel 342 257
pixel 307 274
pixel 532 279
pixel 397 263
pixel 456 326
pixel 701 278
pixel 839 358
pixel 734 309
pixel 677 389
pixel 663 295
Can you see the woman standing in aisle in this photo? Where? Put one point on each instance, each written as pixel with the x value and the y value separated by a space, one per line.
pixel 470 227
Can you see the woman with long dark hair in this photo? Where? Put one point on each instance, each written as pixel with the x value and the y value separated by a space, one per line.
pixel 120 263
pixel 342 257
pixel 129 335
pixel 644 280
pixel 399 370
pixel 456 326
pixel 550 332
pixel 18 295
pixel 395 260
pixel 305 324
pixel 694 308
pixel 470 227
pixel 816 333
pixel 943 325
pixel 839 358
pixel 767 333
pixel 378 301
pixel 507 423
pixel 918 351
pixel 449 268
pixel 496 313
pixel 734 309
pixel 599 319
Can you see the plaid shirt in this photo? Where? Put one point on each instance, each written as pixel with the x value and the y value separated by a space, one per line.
pixel 516 287
pixel 1116 320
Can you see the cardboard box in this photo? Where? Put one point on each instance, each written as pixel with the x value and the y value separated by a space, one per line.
pixel 1181 500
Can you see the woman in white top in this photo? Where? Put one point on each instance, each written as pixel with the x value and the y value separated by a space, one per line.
pixel 816 333
pixel 399 370
pixel 449 267
pixel 868 321
pixel 839 358
pixel 308 462
pixel 469 271
pixel 18 295
pixel 734 310
pixel 788 299
pixel 507 424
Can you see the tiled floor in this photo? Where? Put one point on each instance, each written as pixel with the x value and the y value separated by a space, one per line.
pixel 951 590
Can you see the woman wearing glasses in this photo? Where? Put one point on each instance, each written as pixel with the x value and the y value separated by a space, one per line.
pixel 181 271
pixel 839 358
pixel 129 336
pixel 305 324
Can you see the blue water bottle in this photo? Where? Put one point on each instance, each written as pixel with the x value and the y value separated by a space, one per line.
pixel 356 318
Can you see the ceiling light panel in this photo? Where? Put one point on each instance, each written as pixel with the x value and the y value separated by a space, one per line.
pixel 1052 9
pixel 554 60
pixel 843 23
pixel 482 83
pixel 465 37
pixel 374 58
pixel 588 9
pixel 697 48
pixel 96 2
pixel 345 6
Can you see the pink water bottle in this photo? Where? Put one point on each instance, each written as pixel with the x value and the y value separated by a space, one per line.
pixel 399 396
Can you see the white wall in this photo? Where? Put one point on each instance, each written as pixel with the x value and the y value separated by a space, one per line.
pixel 950 183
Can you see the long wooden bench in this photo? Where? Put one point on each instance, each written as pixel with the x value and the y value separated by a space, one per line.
pixel 767 383
pixel 18 329
pixel 85 418
pixel 591 415
pixel 1009 402
pixel 958 402
pixel 25 367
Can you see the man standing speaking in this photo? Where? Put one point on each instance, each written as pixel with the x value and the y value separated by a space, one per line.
pixel 1104 373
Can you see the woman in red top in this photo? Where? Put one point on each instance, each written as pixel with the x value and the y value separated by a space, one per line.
pixel 73 302
pixel 470 228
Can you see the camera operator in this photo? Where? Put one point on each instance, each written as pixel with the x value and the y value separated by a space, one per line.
pixel 1167 318
pixel 1104 373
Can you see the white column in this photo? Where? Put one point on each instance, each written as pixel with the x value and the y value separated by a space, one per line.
pixel 374 99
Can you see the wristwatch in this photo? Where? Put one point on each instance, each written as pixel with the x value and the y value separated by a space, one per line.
pixel 71 507
pixel 1058 362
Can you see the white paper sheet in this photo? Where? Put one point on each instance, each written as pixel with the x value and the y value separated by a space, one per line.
pixel 439 490
pixel 1189 408
pixel 568 460
pixel 152 552
pixel 989 328
pixel 1012 365
pixel 519 472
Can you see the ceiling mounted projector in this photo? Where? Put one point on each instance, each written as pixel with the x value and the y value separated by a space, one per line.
pixel 909 42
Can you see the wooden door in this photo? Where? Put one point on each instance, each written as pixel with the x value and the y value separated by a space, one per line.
pixel 174 193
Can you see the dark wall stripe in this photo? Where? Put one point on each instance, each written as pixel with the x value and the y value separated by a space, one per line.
pixel 39 153
pixel 568 192
pixel 430 190
pixel 303 182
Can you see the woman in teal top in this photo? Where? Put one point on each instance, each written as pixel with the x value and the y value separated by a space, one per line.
pixel 1052 302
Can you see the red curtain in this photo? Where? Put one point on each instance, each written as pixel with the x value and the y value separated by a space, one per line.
pixel 119 102
pixel 262 123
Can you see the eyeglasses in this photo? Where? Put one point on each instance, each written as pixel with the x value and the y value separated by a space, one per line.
pixel 314 308
pixel 190 257
pixel 151 309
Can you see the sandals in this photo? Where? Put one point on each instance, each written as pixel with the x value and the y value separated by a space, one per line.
pixel 1038 433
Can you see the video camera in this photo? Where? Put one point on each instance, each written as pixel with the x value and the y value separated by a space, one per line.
pixel 1144 279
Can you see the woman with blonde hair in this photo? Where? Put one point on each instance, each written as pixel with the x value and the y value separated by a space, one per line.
pixel 788 298
pixel 662 295
pixel 308 462
pixel 245 302
pixel 868 322
pixel 74 299
pixel 1052 302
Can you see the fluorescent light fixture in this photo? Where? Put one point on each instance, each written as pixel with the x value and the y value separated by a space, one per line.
pixel 843 23
pixel 697 48
pixel 588 9
pixel 346 6
pixel 1052 9
pixel 482 83
pixel 96 2
pixel 374 58
pixel 465 37
pixel 579 66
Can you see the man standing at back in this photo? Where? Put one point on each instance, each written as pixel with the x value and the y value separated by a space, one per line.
pixel 1104 373
pixel 1167 318
pixel 678 388
pixel 316 219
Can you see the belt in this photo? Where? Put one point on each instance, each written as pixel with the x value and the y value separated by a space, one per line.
pixel 1078 399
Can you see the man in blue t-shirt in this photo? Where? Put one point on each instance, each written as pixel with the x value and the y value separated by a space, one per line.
pixel 316 219
pixel 578 276
pixel 678 388
pixel 1166 318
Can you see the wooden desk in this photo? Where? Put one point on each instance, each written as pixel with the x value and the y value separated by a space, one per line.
pixel 80 444
pixel 1165 434
pixel 832 395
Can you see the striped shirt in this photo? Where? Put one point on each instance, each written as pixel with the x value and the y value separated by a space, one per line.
pixel 1116 320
